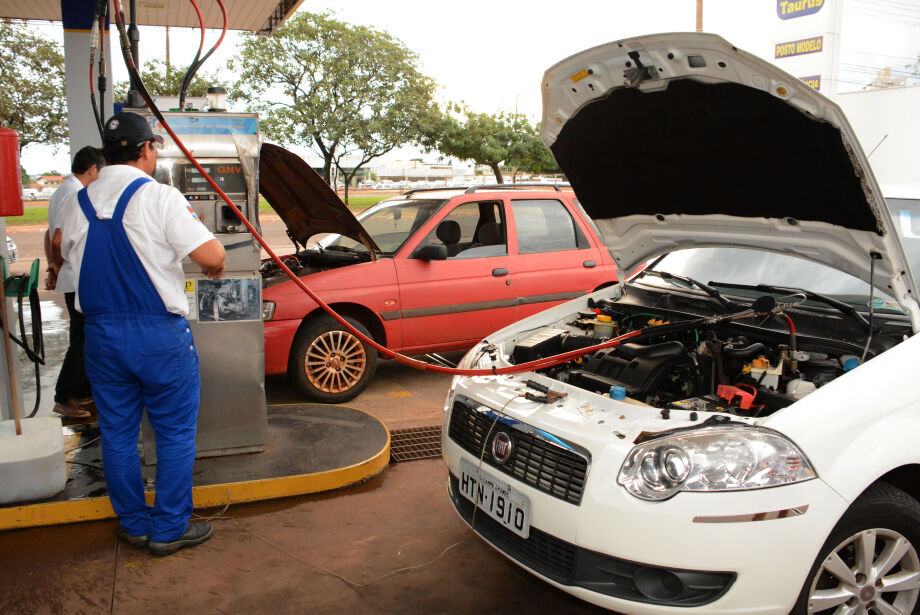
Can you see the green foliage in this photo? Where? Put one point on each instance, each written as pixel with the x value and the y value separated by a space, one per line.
pixel 32 96
pixel 161 80
pixel 24 177
pixel 502 139
pixel 343 90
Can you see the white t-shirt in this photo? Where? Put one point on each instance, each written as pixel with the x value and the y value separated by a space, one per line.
pixel 158 222
pixel 66 283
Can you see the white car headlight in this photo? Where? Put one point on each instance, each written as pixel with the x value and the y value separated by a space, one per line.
pixel 728 458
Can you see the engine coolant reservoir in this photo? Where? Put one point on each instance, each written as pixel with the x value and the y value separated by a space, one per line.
pixel 32 464
pixel 603 326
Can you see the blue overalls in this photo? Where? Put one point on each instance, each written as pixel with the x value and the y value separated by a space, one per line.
pixel 138 354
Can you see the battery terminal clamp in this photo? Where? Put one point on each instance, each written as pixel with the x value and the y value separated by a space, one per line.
pixel 549 396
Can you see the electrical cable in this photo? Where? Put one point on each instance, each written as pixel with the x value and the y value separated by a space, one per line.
pixel 84 445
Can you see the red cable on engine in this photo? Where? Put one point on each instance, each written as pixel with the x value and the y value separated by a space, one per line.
pixel 399 358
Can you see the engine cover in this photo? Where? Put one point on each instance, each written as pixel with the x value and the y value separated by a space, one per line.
pixel 638 368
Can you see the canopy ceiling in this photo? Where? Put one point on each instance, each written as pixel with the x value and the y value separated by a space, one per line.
pixel 262 16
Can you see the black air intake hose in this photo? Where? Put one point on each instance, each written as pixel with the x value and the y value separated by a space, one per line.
pixel 744 352
pixel 574 342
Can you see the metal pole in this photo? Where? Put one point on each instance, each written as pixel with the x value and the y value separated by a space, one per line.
pixel 699 15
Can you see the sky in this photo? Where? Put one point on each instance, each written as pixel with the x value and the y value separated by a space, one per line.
pixel 492 55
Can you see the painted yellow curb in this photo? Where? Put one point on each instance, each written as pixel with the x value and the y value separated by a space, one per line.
pixel 205 496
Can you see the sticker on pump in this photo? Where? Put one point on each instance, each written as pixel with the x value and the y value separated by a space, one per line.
pixel 192 299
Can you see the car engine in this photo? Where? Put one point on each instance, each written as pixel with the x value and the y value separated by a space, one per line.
pixel 740 368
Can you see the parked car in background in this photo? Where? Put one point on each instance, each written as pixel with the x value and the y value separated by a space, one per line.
pixel 429 271
pixel 12 252
pixel 746 441
pixel 29 194
pixel 45 193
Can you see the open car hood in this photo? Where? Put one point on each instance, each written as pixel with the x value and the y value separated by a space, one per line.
pixel 681 140
pixel 305 203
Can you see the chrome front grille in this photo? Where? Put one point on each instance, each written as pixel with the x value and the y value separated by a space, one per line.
pixel 538 459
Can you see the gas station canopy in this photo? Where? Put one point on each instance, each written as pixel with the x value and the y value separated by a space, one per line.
pixel 261 16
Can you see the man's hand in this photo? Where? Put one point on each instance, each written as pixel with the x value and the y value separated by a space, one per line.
pixel 212 258
pixel 51 279
pixel 214 273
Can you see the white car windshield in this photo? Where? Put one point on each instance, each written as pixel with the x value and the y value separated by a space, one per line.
pixel 727 268
pixel 390 224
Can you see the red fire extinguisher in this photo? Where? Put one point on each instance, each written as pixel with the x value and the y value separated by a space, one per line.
pixel 10 177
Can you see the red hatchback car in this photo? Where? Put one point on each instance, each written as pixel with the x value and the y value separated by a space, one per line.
pixel 428 271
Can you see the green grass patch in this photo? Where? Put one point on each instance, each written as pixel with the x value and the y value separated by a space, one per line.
pixel 355 203
pixel 32 215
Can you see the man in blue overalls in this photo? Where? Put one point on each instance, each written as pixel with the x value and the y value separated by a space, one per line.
pixel 125 238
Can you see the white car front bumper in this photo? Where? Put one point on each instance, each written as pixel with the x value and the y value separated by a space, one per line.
pixel 740 552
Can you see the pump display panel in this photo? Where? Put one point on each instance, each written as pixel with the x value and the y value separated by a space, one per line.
pixel 228 176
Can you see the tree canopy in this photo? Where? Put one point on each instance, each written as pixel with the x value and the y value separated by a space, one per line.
pixel 499 140
pixel 163 80
pixel 32 97
pixel 343 90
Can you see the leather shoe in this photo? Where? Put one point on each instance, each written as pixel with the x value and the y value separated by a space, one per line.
pixel 71 412
pixel 196 534
pixel 134 541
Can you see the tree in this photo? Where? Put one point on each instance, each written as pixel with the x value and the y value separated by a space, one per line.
pixel 532 156
pixel 163 80
pixel 343 90
pixel 32 97
pixel 491 140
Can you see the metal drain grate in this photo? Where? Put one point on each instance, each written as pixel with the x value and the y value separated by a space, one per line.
pixel 415 443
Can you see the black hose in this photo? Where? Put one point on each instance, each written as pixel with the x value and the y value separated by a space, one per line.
pixel 196 63
pixel 35 352
pixel 97 34
pixel 745 352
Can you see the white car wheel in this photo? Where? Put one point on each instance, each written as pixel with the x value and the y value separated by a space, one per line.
pixel 871 562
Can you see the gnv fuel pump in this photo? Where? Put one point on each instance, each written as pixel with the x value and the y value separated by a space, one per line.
pixel 225 314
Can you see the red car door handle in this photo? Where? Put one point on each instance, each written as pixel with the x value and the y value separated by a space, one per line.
pixel 499 272
pixel 589 264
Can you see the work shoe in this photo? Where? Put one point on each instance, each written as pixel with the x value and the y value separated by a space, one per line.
pixel 196 534
pixel 84 404
pixel 70 411
pixel 135 541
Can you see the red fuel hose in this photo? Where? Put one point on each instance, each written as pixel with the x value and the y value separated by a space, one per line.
pixel 399 358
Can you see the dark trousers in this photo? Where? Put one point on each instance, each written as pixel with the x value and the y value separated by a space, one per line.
pixel 72 382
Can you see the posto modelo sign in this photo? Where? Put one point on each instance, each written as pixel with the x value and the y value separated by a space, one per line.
pixel 813 44
pixel 790 9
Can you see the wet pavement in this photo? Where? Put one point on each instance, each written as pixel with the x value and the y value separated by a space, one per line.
pixel 391 545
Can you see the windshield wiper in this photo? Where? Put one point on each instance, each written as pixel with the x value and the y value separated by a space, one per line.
pixel 842 307
pixel 689 282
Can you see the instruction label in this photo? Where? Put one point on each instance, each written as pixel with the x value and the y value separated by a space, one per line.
pixel 192 300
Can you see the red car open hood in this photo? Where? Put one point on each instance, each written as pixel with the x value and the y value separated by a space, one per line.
pixel 306 204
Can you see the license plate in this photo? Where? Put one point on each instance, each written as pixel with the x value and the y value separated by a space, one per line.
pixel 495 498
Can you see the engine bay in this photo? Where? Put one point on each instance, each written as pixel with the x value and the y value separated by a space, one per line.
pixel 748 367
pixel 311 260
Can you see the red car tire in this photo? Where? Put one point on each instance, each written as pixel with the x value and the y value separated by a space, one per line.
pixel 330 364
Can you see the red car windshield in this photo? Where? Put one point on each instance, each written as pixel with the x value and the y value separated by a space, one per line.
pixel 390 224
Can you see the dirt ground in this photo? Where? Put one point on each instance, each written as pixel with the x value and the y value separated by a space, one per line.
pixel 392 545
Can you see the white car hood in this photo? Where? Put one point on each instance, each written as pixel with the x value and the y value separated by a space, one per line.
pixel 674 141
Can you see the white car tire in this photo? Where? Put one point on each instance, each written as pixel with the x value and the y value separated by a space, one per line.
pixel 871 561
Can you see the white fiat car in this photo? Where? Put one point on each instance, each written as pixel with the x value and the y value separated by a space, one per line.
pixel 736 429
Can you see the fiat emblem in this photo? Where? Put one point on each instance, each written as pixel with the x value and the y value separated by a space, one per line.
pixel 501 447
